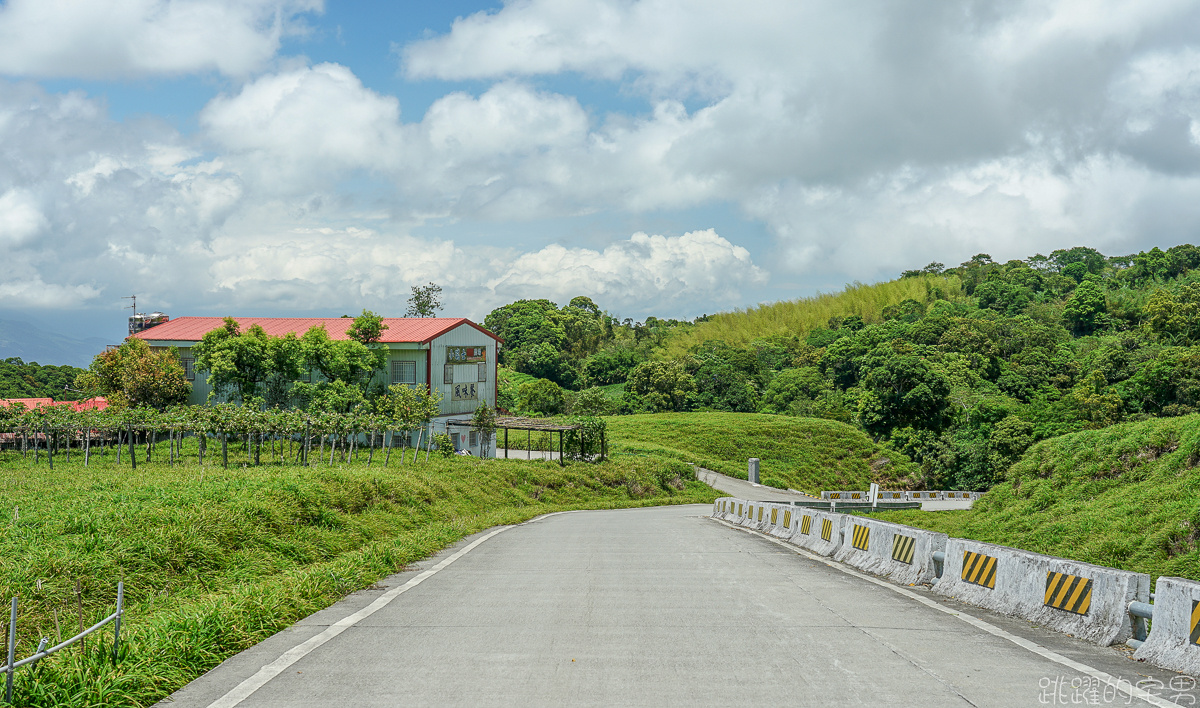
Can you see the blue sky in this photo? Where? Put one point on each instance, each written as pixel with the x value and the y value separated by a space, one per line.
pixel 295 157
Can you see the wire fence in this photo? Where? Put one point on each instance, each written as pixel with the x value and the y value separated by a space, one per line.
pixel 10 668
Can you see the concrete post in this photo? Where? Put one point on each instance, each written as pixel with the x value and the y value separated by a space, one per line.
pixel 752 473
pixel 874 493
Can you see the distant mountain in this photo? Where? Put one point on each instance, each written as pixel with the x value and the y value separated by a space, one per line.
pixel 21 339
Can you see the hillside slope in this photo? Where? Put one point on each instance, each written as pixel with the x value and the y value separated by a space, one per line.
pixel 799 317
pixel 808 454
pixel 1126 496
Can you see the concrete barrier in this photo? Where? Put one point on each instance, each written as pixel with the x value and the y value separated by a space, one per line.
pixel 893 496
pixel 925 496
pixel 845 496
pixel 785 521
pixel 1175 630
pixel 897 552
pixel 1088 601
pixel 817 531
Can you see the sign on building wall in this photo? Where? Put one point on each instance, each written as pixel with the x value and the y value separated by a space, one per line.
pixel 464 392
pixel 465 355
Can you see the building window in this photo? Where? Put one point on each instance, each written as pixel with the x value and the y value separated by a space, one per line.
pixel 474 438
pixel 189 367
pixel 454 441
pixel 482 371
pixel 448 376
pixel 404 372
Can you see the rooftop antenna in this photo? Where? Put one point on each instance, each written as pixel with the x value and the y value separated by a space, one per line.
pixel 134 305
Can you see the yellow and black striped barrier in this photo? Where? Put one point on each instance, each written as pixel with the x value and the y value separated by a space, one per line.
pixel 903 547
pixel 787 519
pixel 739 509
pixel 1072 593
pixel 774 515
pixel 862 537
pixel 760 514
pixel 1195 623
pixel 979 569
pixel 826 529
pixel 806 525
pixel 835 495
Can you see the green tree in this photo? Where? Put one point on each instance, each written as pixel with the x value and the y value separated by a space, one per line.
pixel 425 301
pixel 804 383
pixel 661 385
pixel 134 375
pixel 483 422
pixel 542 397
pixel 346 360
pixel 1084 306
pixel 240 363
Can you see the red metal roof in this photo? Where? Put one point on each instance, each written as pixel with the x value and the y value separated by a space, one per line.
pixel 98 403
pixel 421 330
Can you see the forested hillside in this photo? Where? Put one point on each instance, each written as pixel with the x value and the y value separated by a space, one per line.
pixel 975 364
pixel 21 380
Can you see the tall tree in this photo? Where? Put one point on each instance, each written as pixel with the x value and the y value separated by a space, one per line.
pixel 426 300
pixel 134 375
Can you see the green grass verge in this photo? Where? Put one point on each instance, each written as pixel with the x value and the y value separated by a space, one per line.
pixel 1126 496
pixel 216 560
pixel 798 453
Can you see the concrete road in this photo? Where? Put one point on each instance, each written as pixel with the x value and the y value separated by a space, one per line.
pixel 655 607
pixel 742 489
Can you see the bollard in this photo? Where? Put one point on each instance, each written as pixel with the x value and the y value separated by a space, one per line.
pixel 752 473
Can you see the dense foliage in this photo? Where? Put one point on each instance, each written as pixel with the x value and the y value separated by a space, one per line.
pixel 972 366
pixel 32 380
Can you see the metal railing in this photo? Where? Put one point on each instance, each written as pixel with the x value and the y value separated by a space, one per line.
pixel 42 652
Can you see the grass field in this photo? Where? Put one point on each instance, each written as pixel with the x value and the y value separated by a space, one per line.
pixel 798 453
pixel 1127 496
pixel 216 560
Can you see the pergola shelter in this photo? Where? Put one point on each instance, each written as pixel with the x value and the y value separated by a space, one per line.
pixel 529 425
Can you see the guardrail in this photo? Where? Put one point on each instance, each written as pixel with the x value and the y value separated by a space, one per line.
pixel 10 668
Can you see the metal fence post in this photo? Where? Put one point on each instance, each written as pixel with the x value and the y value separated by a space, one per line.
pixel 12 653
pixel 117 621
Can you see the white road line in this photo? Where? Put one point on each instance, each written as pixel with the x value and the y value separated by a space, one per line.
pixel 243 690
pixel 1120 684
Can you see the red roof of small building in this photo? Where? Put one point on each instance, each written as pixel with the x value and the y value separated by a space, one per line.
pixel 421 330
pixel 98 403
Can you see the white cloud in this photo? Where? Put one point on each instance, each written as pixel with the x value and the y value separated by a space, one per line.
pixel 697 266
pixel 20 217
pixel 126 38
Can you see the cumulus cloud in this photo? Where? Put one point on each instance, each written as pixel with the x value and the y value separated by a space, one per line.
pixel 306 268
pixel 697 266
pixel 127 38
pixel 862 124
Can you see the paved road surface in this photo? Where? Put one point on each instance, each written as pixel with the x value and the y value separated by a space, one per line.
pixel 650 607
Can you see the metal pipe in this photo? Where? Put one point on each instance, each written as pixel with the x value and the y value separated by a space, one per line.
pixel 64 645
pixel 12 653
pixel 1141 609
pixel 41 645
pixel 117 625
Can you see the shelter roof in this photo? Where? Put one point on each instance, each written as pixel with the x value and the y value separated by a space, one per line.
pixel 420 330
pixel 514 423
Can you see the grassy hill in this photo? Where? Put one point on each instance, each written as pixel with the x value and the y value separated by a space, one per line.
pixel 799 317
pixel 1126 496
pixel 799 453
pixel 215 560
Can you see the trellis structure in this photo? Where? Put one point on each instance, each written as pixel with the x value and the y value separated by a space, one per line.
pixel 529 425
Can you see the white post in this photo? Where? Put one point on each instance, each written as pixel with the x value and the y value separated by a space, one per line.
pixel 874 494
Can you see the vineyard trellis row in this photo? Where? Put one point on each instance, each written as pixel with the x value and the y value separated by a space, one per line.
pixel 295 436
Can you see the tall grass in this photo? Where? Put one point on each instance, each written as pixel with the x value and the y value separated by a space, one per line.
pixel 799 317
pixel 216 560
pixel 1126 496
pixel 807 454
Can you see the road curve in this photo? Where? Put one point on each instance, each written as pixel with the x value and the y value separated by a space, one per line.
pixel 647 607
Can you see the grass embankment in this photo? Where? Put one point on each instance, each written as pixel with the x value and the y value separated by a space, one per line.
pixel 214 561
pixel 1126 496
pixel 799 317
pixel 807 454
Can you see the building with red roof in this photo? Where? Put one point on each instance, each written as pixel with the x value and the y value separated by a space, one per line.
pixel 452 355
